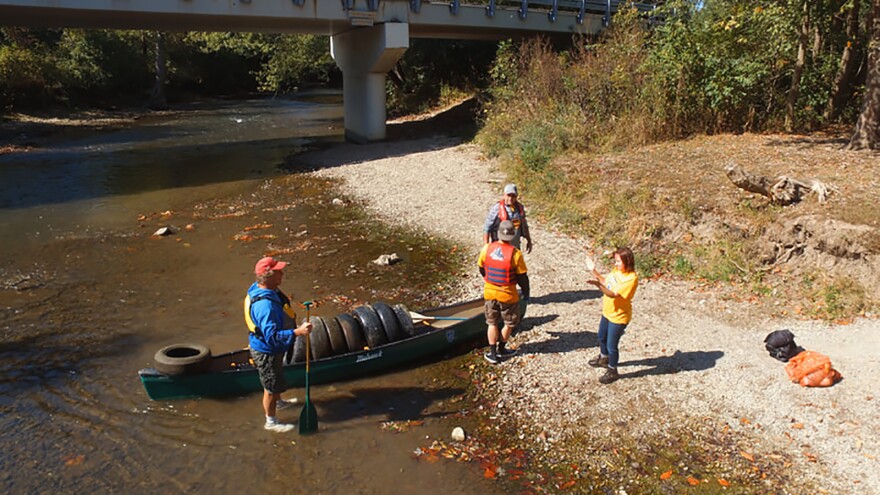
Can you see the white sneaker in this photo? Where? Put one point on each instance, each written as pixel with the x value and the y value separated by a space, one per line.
pixel 279 427
pixel 286 403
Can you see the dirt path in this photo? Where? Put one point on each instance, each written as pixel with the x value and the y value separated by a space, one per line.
pixel 693 365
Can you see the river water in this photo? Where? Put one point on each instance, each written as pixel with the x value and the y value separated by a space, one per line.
pixel 88 294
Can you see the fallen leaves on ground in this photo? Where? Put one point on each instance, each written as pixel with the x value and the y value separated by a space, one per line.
pixel 748 456
pixel 400 426
pixel 249 237
pixel 258 226
pixel 665 476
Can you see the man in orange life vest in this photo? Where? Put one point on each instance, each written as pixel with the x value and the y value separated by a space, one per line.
pixel 503 268
pixel 508 209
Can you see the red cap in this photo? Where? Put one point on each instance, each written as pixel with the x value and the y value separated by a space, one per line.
pixel 268 263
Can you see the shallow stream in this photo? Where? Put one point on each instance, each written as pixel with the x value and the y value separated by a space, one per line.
pixel 88 294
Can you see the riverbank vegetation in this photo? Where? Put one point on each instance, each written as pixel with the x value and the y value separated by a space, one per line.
pixel 627 140
pixel 46 69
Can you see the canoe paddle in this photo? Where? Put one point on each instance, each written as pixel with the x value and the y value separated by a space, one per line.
pixel 420 317
pixel 308 418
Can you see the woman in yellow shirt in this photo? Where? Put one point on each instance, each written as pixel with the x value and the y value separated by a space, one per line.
pixel 618 289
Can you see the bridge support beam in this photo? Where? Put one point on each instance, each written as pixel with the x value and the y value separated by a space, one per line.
pixel 365 55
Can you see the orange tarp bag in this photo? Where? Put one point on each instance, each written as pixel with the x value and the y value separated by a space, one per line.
pixel 812 369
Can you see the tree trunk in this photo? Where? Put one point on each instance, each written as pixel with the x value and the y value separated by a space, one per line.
pixel 867 131
pixel 157 94
pixel 783 191
pixel 842 87
pixel 798 68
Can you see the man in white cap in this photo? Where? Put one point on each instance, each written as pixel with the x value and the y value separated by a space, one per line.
pixel 503 268
pixel 270 321
pixel 508 209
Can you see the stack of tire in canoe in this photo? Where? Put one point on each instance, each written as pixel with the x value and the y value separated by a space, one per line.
pixel 366 327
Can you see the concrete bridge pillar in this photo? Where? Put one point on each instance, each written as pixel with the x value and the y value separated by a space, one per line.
pixel 365 55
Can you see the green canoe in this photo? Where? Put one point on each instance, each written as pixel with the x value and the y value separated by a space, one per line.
pixel 231 374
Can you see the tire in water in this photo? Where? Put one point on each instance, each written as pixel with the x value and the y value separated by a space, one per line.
pixel 371 325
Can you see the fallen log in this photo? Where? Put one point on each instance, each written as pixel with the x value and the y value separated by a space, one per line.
pixel 784 191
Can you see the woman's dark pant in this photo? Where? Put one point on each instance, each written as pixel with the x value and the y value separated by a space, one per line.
pixel 609 338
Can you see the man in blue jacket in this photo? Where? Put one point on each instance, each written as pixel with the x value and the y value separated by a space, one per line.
pixel 271 322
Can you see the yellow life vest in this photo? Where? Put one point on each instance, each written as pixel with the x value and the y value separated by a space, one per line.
pixel 288 312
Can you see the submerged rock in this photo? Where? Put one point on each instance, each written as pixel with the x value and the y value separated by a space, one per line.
pixel 387 259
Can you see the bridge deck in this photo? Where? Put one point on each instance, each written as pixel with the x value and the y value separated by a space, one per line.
pixel 474 19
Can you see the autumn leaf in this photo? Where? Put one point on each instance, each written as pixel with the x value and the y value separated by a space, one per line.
pixel 748 456
pixel 74 460
pixel 665 476
pixel 798 426
pixel 693 481
pixel 258 226
pixel 723 482
pixel 489 473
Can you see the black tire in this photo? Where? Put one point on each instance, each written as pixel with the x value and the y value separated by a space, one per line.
pixel 299 350
pixel 351 329
pixel 389 321
pixel 337 339
pixel 180 359
pixel 404 319
pixel 319 339
pixel 371 325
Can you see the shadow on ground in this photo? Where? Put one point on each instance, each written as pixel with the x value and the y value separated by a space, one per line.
pixel 393 403
pixel 676 363
pixel 530 322
pixel 567 296
pixel 439 131
pixel 561 342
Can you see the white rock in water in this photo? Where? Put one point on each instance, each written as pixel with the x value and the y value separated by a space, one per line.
pixel 164 231
pixel 458 434
pixel 337 202
pixel 387 259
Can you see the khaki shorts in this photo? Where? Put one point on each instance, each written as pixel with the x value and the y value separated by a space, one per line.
pixel 498 311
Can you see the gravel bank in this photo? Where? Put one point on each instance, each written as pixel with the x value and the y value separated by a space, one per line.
pixel 691 358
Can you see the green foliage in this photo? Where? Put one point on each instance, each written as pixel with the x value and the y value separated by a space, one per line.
pixel 294 60
pixel 42 66
pixel 724 261
pixel 416 82
pixel 23 75
pixel 725 66
pixel 841 297
pixel 681 266
pixel 649 264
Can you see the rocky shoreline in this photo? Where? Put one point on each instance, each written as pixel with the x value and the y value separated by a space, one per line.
pixel 699 400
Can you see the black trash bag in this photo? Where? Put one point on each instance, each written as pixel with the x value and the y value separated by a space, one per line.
pixel 781 345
